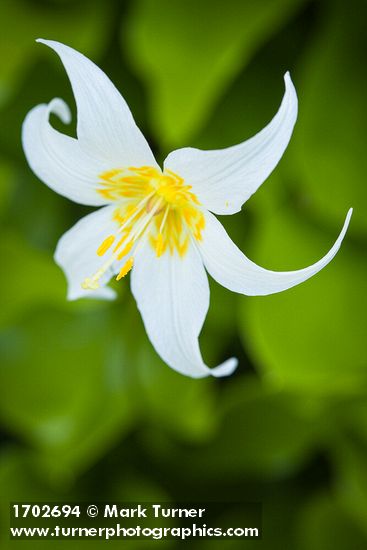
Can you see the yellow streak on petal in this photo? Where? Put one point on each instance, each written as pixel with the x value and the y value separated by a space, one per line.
pixel 159 246
pixel 201 222
pixel 110 174
pixel 183 248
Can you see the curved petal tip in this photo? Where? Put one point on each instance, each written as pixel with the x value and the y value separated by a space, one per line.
pixel 289 86
pixel 61 109
pixel 225 369
pixel 46 42
pixel 346 225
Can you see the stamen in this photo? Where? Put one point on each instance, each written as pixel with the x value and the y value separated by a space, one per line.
pixel 90 284
pixel 126 250
pixel 121 242
pixel 136 211
pixel 145 221
pixel 151 202
pixel 107 243
pixel 125 268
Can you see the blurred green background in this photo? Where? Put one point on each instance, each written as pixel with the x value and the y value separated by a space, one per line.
pixel 87 410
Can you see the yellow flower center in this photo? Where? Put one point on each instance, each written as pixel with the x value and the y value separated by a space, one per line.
pixel 156 205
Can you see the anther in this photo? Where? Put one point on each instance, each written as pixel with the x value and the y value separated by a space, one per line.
pixel 107 243
pixel 125 268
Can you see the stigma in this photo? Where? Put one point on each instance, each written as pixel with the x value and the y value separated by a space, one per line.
pixel 152 207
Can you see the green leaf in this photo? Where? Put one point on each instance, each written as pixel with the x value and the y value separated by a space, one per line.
pixel 183 407
pixel 188 53
pixel 324 526
pixel 19 482
pixel 349 454
pixel 260 434
pixel 68 386
pixel 309 339
pixel 29 277
pixel 351 479
pixel 330 146
pixel 22 481
pixel 22 22
pixel 6 184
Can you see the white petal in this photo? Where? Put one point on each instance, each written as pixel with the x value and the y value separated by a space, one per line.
pixel 173 298
pixel 76 253
pixel 224 179
pixel 57 159
pixel 230 267
pixel 105 124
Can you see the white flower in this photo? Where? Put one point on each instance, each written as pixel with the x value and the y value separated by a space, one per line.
pixel 159 223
